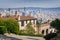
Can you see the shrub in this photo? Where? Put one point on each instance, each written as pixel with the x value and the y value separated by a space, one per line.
pixel 22 32
pixel 3 29
pixel 29 29
pixel 12 26
pixel 2 22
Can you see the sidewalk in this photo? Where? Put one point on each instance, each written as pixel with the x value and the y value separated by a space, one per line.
pixel 24 37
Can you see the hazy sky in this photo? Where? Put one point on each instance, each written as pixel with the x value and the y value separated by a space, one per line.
pixel 29 3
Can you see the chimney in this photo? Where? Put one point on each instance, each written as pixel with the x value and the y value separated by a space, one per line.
pixel 18 17
pixel 16 14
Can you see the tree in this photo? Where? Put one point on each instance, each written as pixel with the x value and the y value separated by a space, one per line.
pixel 12 26
pixel 56 24
pixel 29 29
pixel 54 36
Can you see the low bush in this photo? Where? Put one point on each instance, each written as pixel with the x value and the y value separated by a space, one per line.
pixel 30 29
pixel 25 34
pixel 3 29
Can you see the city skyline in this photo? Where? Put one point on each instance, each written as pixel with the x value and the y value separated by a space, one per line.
pixel 29 3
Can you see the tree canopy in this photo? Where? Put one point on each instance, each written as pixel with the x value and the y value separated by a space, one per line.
pixel 54 36
pixel 12 26
pixel 56 24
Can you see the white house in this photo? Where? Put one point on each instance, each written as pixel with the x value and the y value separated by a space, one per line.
pixel 44 28
pixel 24 20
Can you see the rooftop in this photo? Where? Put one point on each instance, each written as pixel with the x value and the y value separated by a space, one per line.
pixel 15 18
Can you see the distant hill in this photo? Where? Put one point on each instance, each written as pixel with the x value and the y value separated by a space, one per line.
pixel 31 8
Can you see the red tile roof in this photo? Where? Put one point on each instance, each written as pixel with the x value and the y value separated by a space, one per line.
pixel 27 18
pixel 15 18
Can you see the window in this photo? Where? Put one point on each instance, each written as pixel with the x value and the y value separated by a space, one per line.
pixel 26 21
pixel 46 31
pixel 42 31
pixel 34 21
pixel 30 21
pixel 22 23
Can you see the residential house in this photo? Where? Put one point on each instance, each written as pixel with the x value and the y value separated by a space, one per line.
pixel 24 20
